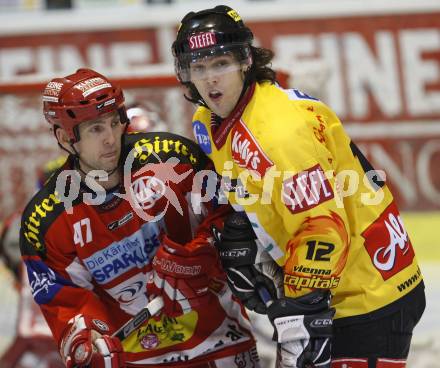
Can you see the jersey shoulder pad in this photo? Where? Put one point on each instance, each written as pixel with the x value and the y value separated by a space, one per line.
pixel 296 94
pixel 202 114
pixel 140 149
pixel 281 130
pixel 307 102
pixel 41 211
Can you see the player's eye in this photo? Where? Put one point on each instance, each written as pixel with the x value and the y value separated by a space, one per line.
pixel 221 63
pixel 96 128
pixel 198 69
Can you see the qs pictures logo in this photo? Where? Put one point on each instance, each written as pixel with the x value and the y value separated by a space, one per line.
pixel 150 184
pixel 147 190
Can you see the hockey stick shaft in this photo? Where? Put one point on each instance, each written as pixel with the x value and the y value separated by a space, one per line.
pixel 152 308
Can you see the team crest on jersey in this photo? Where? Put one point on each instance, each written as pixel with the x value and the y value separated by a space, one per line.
pixel 147 190
pixel 202 137
pixel 246 151
pixel 388 244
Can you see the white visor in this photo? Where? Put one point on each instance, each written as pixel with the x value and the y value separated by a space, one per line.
pixel 215 61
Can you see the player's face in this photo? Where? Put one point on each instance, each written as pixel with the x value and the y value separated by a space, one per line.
pixel 219 80
pixel 99 146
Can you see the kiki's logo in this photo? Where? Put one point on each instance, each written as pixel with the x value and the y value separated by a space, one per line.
pixel 246 152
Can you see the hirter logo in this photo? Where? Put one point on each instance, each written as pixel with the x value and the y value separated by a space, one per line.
pixel 306 190
pixel 388 244
pixel 201 40
pixel 246 152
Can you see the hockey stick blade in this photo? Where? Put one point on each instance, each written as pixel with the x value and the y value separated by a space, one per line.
pixel 143 315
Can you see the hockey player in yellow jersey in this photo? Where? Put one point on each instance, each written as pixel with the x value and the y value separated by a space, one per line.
pixel 305 195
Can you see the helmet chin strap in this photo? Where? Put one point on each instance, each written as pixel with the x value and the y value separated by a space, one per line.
pixel 246 83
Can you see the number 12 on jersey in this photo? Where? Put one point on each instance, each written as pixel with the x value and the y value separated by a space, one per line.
pixel 318 251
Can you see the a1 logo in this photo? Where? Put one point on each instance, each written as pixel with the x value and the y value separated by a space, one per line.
pixel 388 244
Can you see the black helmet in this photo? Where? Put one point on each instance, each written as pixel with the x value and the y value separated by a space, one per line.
pixel 210 32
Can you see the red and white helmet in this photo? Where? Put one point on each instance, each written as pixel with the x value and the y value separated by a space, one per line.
pixel 82 96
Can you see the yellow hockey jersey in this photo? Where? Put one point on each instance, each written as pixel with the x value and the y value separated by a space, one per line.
pixel 314 201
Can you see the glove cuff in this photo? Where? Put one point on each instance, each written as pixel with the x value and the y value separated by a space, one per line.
pixel 292 328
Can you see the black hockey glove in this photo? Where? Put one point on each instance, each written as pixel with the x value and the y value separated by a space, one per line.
pixel 303 329
pixel 253 276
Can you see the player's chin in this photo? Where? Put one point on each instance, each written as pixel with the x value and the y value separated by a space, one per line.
pixel 109 166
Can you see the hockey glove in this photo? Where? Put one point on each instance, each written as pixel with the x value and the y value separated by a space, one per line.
pixel 182 275
pixel 86 343
pixel 303 328
pixel 250 271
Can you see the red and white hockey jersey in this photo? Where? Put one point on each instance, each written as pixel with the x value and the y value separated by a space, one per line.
pixel 94 255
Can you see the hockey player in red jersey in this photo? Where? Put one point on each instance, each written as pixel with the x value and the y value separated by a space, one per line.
pixel 353 290
pixel 113 229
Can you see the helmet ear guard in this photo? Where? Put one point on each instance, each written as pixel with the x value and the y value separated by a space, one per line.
pixel 82 96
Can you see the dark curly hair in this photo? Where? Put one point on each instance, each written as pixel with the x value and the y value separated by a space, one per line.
pixel 261 70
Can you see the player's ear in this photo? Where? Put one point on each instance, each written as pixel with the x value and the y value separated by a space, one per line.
pixel 246 67
pixel 63 138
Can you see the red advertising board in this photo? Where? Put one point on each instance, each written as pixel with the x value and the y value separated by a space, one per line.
pixel 381 75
